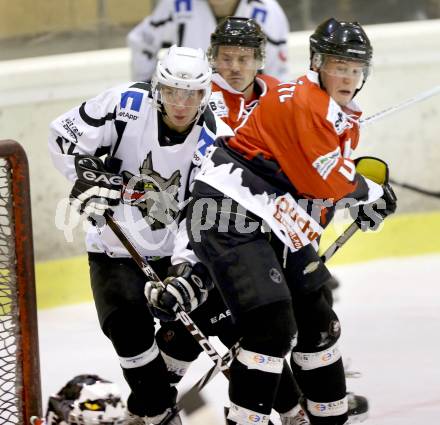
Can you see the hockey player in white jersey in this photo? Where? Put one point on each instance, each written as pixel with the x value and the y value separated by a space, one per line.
pixel 154 137
pixel 191 22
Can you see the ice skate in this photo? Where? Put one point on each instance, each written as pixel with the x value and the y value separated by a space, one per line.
pixel 357 408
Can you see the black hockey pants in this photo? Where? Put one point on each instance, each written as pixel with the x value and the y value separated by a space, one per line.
pixel 253 271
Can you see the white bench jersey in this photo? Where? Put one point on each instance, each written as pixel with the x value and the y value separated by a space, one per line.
pixel 190 23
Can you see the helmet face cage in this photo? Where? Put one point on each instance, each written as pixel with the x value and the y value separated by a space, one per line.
pixel 186 72
pixel 241 32
pixel 347 40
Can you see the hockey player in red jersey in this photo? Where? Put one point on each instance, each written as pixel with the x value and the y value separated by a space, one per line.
pixel 236 54
pixel 260 204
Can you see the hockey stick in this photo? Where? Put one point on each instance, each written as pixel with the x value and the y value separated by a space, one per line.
pixel 339 242
pixel 382 114
pixel 213 371
pixel 182 315
pixel 417 189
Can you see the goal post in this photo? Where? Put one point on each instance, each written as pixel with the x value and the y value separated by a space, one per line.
pixel 20 386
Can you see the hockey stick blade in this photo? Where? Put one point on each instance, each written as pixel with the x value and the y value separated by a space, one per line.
pixel 417 189
pixel 191 394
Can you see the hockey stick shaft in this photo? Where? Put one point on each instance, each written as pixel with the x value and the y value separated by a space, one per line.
pixel 339 242
pixel 392 109
pixel 182 315
pixel 417 189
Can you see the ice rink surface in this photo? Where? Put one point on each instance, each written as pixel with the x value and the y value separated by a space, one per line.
pixel 390 314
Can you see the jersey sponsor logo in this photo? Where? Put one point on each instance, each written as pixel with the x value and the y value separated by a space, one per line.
pixel 218 105
pixel 178 4
pixel 205 140
pixel 325 163
pixel 288 214
pixel 154 195
pixel 133 99
pixel 71 129
pixel 127 115
pixel 259 15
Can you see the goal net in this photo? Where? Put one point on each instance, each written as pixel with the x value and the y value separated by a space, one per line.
pixel 20 388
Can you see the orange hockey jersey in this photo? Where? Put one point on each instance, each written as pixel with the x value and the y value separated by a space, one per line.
pixel 308 134
pixel 289 161
pixel 230 105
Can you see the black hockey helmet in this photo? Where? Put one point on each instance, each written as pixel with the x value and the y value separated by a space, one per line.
pixel 339 38
pixel 236 31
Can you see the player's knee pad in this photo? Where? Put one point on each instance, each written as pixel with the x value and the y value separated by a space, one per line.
pixel 269 329
pixel 178 349
pixel 131 331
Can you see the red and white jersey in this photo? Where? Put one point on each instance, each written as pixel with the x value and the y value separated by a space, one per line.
pixel 230 105
pixel 308 134
pixel 190 23
pixel 291 155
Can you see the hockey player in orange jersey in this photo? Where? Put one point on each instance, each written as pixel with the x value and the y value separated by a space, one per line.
pixel 258 209
pixel 236 54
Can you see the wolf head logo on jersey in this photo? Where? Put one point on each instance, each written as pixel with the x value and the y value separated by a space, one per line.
pixel 154 195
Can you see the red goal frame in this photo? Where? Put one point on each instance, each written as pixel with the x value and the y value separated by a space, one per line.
pixel 28 383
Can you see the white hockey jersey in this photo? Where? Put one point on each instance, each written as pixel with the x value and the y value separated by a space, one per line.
pixel 123 123
pixel 190 23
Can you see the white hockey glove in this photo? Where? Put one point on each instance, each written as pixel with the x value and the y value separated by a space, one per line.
pixel 186 285
pixel 96 189
pixel 370 216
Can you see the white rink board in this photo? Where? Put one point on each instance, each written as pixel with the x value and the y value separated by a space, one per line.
pixel 390 314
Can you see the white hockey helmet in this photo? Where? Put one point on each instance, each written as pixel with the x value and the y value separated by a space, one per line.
pixel 183 68
pixel 87 400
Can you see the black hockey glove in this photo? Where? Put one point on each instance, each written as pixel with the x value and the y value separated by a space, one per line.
pixel 96 189
pixel 186 285
pixel 370 216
